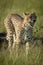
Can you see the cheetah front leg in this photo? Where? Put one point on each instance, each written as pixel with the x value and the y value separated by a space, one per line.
pixel 27 49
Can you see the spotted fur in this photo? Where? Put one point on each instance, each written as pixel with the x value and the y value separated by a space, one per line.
pixel 19 29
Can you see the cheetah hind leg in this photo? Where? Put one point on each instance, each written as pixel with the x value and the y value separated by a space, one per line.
pixel 14 42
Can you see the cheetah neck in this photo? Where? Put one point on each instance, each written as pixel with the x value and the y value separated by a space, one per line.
pixel 26 24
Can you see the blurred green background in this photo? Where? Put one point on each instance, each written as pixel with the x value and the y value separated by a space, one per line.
pixel 20 6
pixel 35 56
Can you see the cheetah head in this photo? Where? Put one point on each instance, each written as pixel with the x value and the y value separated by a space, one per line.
pixel 30 18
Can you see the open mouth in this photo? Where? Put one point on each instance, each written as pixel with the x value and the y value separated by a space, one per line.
pixel 31 23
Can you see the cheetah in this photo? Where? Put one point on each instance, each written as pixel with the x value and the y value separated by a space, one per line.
pixel 19 29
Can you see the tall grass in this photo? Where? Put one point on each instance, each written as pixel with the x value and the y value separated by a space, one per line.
pixel 35 56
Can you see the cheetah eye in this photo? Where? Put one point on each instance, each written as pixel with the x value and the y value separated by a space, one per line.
pixel 30 16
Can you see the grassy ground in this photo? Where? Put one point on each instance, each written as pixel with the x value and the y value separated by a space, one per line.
pixel 35 56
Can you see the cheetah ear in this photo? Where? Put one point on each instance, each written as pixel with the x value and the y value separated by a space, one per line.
pixel 33 13
pixel 24 14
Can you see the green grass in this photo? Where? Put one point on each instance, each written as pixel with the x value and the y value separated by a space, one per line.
pixel 35 56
